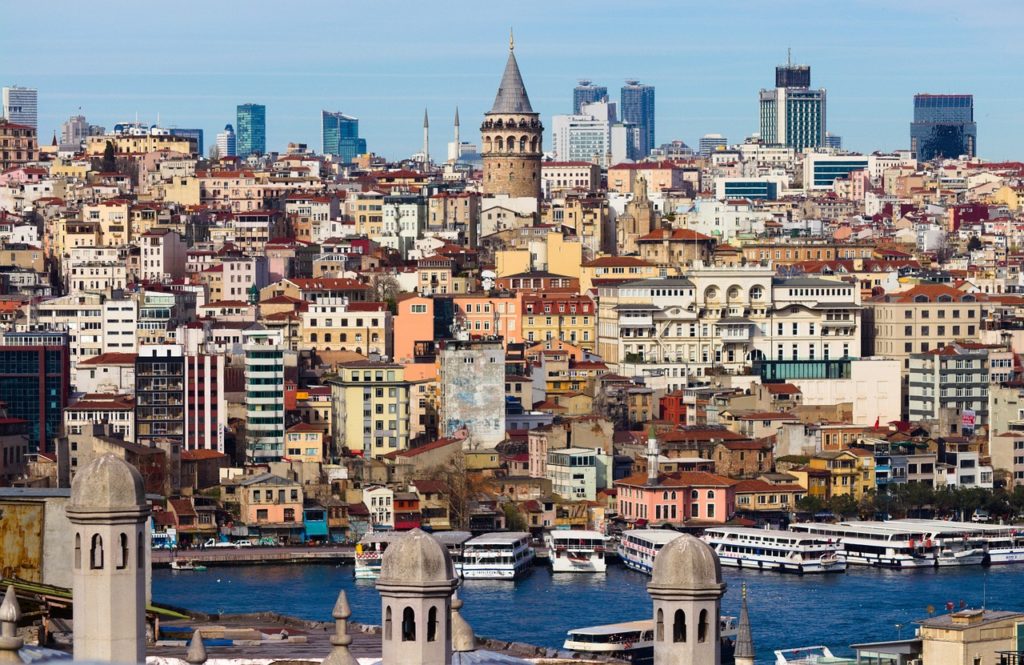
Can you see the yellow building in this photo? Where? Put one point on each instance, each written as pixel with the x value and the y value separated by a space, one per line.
pixel 69 170
pixel 113 219
pixel 337 325
pixel 617 268
pixel 136 145
pixel 555 254
pixel 851 472
pixel 586 215
pixel 971 637
pixel 370 403
pixel 567 318
pixel 304 443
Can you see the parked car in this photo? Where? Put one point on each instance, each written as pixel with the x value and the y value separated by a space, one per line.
pixel 980 516
pixel 213 542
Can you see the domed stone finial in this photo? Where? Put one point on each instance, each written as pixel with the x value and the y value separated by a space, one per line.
pixel 340 655
pixel 511 40
pixel 108 483
pixel 463 638
pixel 417 559
pixel 687 564
pixel 196 654
pixel 10 613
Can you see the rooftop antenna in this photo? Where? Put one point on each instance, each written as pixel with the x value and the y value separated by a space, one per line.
pixel 789 56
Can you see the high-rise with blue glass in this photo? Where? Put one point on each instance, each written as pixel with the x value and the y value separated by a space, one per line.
pixel 587 93
pixel 341 136
pixel 251 130
pixel 793 113
pixel 943 127
pixel 637 107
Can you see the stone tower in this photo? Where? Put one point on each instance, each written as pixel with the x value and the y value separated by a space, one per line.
pixel 511 137
pixel 686 586
pixel 109 514
pixel 744 654
pixel 416 584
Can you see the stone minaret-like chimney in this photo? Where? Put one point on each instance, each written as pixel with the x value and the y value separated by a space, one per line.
pixel 426 140
pixel 652 457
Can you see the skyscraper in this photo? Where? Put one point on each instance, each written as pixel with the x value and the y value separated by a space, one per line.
pixel 252 129
pixel 637 107
pixel 585 136
pixel 341 136
pixel 793 113
pixel 587 93
pixel 226 146
pixel 195 134
pixel 20 106
pixel 943 126
pixel 37 383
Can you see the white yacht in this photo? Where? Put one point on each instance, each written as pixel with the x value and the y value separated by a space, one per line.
pixel 638 547
pixel 576 551
pixel 634 640
pixel 869 545
pixel 370 552
pixel 771 549
pixel 497 556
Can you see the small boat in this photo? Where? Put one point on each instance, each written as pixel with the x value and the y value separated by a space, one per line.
pixel 187 565
pixel 967 557
pixel 576 551
pixel 634 640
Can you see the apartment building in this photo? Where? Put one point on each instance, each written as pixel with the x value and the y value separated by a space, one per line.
pixel 370 404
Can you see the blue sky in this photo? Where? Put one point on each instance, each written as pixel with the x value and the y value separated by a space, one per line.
pixel 193 62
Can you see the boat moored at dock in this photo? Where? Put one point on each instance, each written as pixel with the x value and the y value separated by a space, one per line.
pixel 634 640
pixel 497 556
pixel 370 553
pixel 576 551
pixel 638 547
pixel 771 549
pixel 867 544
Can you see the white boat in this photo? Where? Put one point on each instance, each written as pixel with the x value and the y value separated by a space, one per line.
pixel 187 565
pixel 633 640
pixel 772 549
pixel 370 552
pixel 869 545
pixel 576 551
pixel 968 557
pixel 638 547
pixel 455 543
pixel 806 656
pixel 497 556
pixel 1002 543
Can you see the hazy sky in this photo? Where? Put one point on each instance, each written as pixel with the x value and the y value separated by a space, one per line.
pixel 193 62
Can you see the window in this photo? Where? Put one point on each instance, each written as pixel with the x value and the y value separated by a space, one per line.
pixel 122 559
pixel 660 626
pixel 432 625
pixel 96 552
pixel 78 550
pixel 387 623
pixel 702 626
pixel 679 627
pixel 408 625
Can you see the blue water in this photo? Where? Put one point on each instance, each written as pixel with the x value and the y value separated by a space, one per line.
pixel 862 605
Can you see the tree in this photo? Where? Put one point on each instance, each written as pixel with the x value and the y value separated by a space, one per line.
pixel 461 487
pixel 514 521
pixel 974 244
pixel 385 289
pixel 810 504
pixel 843 505
pixel 109 164
pixel 214 152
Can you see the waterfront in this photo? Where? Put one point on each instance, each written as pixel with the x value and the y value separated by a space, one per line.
pixel 862 605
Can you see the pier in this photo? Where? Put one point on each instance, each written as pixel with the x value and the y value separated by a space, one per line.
pixel 240 556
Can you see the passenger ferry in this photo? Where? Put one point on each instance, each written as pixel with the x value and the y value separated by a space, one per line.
pixel 953 545
pixel 370 552
pixel 634 640
pixel 497 556
pixel 1000 543
pixel 771 549
pixel 638 547
pixel 576 551
pixel 455 543
pixel 867 544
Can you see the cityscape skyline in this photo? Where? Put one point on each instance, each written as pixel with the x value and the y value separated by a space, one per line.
pixel 714 91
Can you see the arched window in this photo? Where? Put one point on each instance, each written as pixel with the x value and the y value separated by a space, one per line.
pixel 499 143
pixel 96 552
pixel 312 337
pixel 78 550
pixel 432 625
pixel 327 337
pixel 711 494
pixel 510 144
pixel 387 622
pixel 344 337
pixel 522 144
pixel 122 553
pixel 533 144
pixel 702 626
pixel 408 625
pixel 679 627
pixel 660 626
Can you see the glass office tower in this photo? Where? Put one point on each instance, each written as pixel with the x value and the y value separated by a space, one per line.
pixel 251 130
pixel 341 136
pixel 637 107
pixel 943 127
pixel 587 93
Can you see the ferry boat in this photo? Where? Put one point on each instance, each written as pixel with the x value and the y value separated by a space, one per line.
pixel 370 552
pixel 187 565
pixel 771 549
pixel 638 547
pixel 497 556
pixel 576 551
pixel 455 543
pixel 870 545
pixel 954 546
pixel 634 640
pixel 1000 543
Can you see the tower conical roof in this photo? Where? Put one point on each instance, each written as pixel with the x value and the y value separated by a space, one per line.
pixel 511 97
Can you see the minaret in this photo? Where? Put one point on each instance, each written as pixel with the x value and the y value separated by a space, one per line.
pixel 652 457
pixel 686 587
pixel 426 140
pixel 458 141
pixel 109 515
pixel 416 583
pixel 511 137
pixel 744 653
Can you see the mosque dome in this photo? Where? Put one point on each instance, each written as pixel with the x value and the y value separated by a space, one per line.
pixel 417 558
pixel 686 563
pixel 107 483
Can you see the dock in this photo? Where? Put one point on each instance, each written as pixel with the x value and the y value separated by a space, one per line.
pixel 247 556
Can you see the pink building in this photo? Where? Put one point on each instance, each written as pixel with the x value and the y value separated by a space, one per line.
pixel 414 322
pixel 683 497
pixel 484 316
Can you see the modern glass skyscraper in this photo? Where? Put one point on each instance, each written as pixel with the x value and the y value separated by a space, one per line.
pixel 943 126
pixel 251 136
pixel 226 144
pixel 793 113
pixel 637 107
pixel 196 134
pixel 586 93
pixel 20 106
pixel 341 136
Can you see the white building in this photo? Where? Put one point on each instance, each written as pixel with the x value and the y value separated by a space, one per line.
pixel 472 378
pixel 380 501
pixel 592 136
pixel 120 320
pixel 265 359
pixel 725 220
pixel 573 473
pixel 226 142
pixel 163 256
